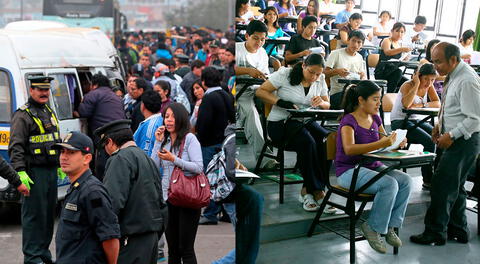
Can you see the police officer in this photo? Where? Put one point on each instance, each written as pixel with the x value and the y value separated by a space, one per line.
pixel 88 229
pixel 133 182
pixel 34 130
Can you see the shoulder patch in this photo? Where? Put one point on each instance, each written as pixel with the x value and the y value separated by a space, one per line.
pixel 24 107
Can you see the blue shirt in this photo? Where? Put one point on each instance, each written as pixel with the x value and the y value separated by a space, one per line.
pixel 201 55
pixel 342 16
pixel 145 135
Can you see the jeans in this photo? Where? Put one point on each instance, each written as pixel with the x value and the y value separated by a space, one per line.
pixel 247 230
pixel 391 196
pixel 230 257
pixel 420 135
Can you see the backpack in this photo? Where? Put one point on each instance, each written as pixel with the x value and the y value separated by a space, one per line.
pixel 220 185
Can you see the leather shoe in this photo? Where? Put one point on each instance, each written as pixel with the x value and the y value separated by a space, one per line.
pixel 457 237
pixel 427 239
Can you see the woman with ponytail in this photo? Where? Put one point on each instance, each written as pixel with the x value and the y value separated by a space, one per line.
pixel 361 131
pixel 300 87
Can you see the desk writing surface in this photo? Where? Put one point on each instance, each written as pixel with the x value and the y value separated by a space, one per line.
pixel 314 112
pixel 399 155
pixel 422 111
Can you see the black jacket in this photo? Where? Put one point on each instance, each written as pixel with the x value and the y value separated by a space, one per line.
pixel 214 114
pixel 8 173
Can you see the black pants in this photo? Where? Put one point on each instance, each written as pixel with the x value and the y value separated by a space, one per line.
pixel 38 212
pixel 336 100
pixel 181 232
pixel 448 194
pixel 141 249
pixel 249 206
pixel 394 79
pixel 307 142
pixel 420 135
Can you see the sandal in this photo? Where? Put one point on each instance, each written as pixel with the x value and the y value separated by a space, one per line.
pixel 328 209
pixel 309 204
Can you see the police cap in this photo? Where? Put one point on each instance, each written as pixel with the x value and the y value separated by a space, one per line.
pixel 114 126
pixel 76 140
pixel 40 82
pixel 182 58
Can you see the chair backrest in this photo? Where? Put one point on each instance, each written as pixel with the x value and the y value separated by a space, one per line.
pixel 331 145
pixel 333 44
pixel 388 100
pixel 372 60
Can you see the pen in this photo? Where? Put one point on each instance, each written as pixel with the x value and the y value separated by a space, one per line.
pixel 381 133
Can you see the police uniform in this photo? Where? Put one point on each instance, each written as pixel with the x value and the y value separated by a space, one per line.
pixel 87 218
pixel 34 130
pixel 133 182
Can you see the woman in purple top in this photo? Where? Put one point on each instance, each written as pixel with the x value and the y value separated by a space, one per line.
pixel 285 8
pixel 357 135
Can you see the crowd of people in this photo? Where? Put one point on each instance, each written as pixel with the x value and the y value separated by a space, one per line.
pixel 306 75
pixel 171 118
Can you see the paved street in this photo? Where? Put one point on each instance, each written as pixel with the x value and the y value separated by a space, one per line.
pixel 212 242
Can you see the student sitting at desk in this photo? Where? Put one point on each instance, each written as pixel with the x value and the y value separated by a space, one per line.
pixel 251 59
pixel 359 133
pixel 416 33
pixel 300 44
pixel 345 63
pixel 417 93
pixel 392 49
pixel 466 45
pixel 311 10
pixel 300 87
pixel 383 27
pixel 285 9
pixel 274 32
pixel 342 17
pixel 438 84
pixel 354 23
pixel 243 15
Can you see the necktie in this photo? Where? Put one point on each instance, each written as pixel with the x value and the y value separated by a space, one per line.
pixel 442 107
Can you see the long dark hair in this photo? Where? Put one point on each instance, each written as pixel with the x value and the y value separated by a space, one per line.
pixel 182 124
pixel 316 7
pixel 238 5
pixel 289 3
pixel 428 51
pixel 363 89
pixel 296 75
pixel 199 82
pixel 275 23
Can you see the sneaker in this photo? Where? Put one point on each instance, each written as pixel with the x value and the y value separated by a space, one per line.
pixel 392 238
pixel 161 258
pixel 373 238
pixel 426 186
pixel 271 164
pixel 205 221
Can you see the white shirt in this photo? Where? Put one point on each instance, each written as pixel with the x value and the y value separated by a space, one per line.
pixel 341 59
pixel 410 33
pixel 294 94
pixel 326 8
pixel 464 51
pixel 381 29
pixel 257 60
pixel 397 110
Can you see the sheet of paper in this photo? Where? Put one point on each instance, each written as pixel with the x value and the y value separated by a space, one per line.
pixel 317 50
pixel 245 174
pixel 401 135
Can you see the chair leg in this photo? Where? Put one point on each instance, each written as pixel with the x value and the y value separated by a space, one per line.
pixel 282 174
pixel 352 234
pixel 316 220
pixel 260 159
pixel 395 249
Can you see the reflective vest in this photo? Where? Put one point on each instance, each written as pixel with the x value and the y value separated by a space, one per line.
pixel 40 146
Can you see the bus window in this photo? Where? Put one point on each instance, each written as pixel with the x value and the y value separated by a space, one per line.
pixel 62 90
pixel 5 98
